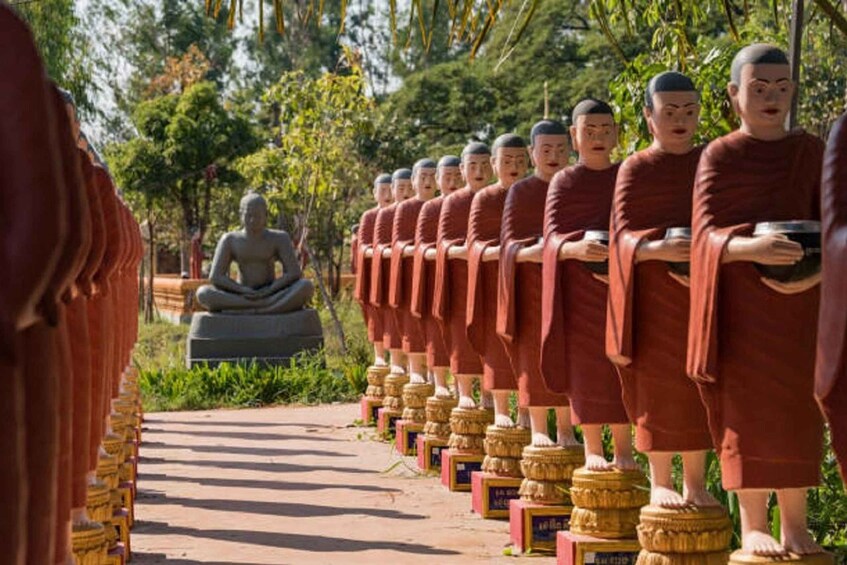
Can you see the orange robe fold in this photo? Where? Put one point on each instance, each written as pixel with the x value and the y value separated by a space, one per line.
pixel 362 290
pixel 647 314
pixel 518 294
pixel 831 381
pixel 758 344
pixel 573 322
pixel 423 284
pixel 380 279
pixel 402 276
pixel 484 232
pixel 449 303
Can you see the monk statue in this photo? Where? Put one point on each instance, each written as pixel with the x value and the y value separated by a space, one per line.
pixel 448 178
pixel 509 161
pixel 573 298
pixel 451 270
pixel 752 339
pixel 831 377
pixel 255 249
pixel 646 322
pixel 519 283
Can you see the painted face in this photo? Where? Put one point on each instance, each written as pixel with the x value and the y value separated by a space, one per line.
pixel 550 153
pixel 449 179
pixel 763 98
pixel 382 194
pixel 254 217
pixel 402 189
pixel 594 135
pixel 510 164
pixel 423 182
pixel 477 170
pixel 673 119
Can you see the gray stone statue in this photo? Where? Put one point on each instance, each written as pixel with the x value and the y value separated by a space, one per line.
pixel 255 249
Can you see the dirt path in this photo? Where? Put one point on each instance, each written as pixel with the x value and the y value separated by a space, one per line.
pixel 296 485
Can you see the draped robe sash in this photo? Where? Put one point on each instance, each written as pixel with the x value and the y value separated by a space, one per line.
pixel 402 276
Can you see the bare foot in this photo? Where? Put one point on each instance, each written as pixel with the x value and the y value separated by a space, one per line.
pixel 800 543
pixel 667 498
pixel 417 379
pixel 442 392
pixel 542 440
pixel 625 463
pixel 503 421
pixel 466 402
pixel 699 497
pixel 595 462
pixel 760 543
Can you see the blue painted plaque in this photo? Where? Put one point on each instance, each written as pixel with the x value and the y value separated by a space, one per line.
pixel 499 497
pixel 412 441
pixel 435 456
pixel 611 558
pixel 464 470
pixel 392 424
pixel 544 527
pixel 375 411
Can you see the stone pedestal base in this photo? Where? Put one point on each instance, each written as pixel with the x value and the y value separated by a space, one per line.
pixel 393 399
pixel 269 339
pixel 690 536
pixel 607 504
pixel 429 452
pixel 88 543
pixel 534 526
pixel 490 494
pixel 369 407
pixel 386 421
pixel 468 427
pixel 738 558
pixel 456 469
pixel 438 417
pixel 575 549
pixel 405 440
pixel 503 450
pixel 376 381
pixel 548 472
pixel 414 401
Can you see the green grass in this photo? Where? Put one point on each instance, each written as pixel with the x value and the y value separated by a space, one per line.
pixel 327 376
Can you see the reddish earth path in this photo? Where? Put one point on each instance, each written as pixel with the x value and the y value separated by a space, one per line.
pixel 296 485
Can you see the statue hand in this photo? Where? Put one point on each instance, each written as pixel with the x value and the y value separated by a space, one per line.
pixel 586 250
pixel 772 249
pixel 794 287
pixel 672 250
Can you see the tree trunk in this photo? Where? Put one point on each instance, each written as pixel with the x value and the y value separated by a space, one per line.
pixel 148 302
pixel 339 329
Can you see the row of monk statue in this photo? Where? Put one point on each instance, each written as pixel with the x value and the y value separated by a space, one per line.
pixel 649 293
pixel 68 320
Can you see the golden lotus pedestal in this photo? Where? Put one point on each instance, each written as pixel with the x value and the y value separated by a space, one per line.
pixel 603 523
pixel 392 403
pixel 738 558
pixel 436 432
pixel 411 424
pixel 88 543
pixel 372 400
pixel 690 536
pixel 500 480
pixel 465 447
pixel 544 507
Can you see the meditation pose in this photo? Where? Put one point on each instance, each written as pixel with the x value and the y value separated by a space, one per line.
pixel 365 240
pixel 519 283
pixel 256 250
pixel 448 177
pixel 831 380
pixel 392 339
pixel 573 352
pixel 451 270
pixel 402 267
pixel 752 339
pixel 647 312
pixel 509 161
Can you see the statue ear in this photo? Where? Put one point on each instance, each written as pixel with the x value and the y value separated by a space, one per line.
pixel 732 89
pixel 648 115
pixel 574 142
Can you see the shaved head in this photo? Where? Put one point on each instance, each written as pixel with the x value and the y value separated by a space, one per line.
pixel 668 81
pixel 756 54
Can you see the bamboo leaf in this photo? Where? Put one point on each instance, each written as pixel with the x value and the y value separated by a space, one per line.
pixel 834 15
pixel 230 22
pixel 480 38
pixel 343 16
pixel 727 8
pixel 218 5
pixel 280 16
pixel 432 21
pixel 392 16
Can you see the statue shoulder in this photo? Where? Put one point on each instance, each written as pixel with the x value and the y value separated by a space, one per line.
pixel 279 235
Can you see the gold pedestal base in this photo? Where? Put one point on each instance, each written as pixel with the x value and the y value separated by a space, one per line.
pixel 738 558
pixel 88 543
pixel 376 379
pixel 467 426
pixel 438 410
pixel 393 399
pixel 414 401
pixel 548 472
pixel 503 450
pixel 99 502
pixel 607 504
pixel 684 536
pixel 437 430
